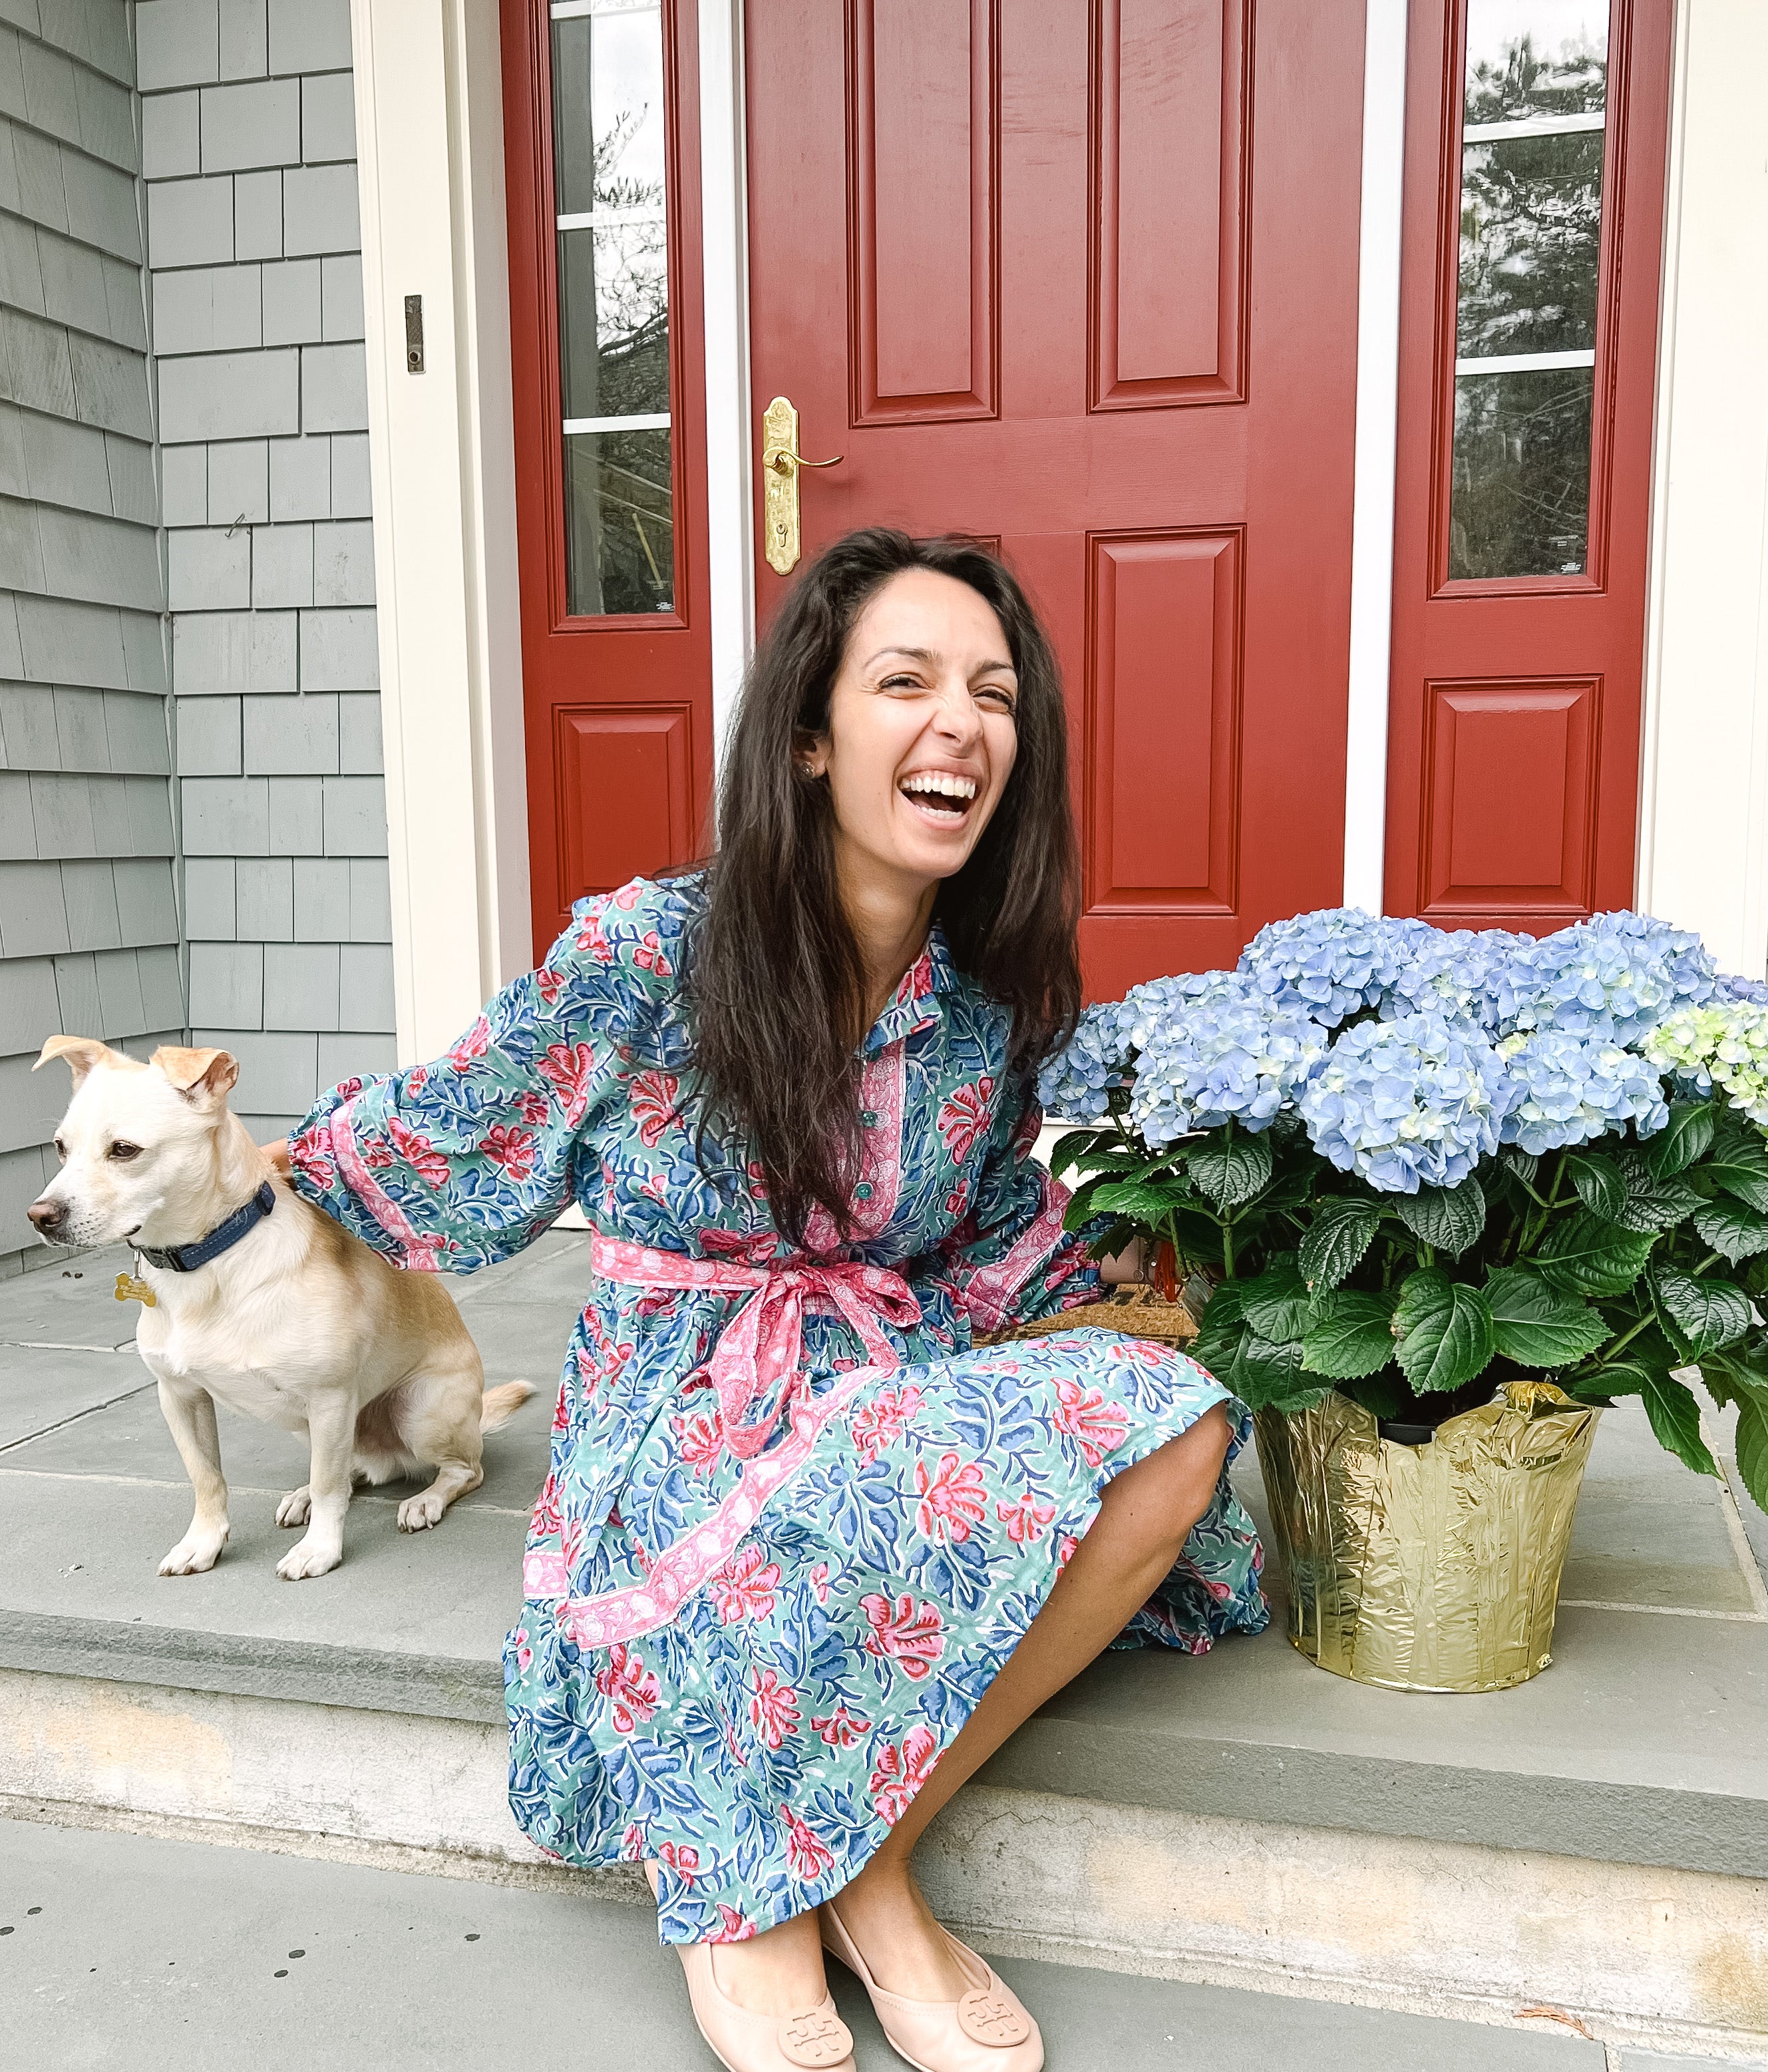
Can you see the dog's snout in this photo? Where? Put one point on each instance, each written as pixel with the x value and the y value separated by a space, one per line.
pixel 49 1216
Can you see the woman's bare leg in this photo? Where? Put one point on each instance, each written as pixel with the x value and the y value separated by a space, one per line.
pixel 1145 1517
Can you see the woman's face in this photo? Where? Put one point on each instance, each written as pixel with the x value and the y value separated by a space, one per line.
pixel 922 733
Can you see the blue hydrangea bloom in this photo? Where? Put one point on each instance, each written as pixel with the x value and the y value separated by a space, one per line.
pixel 1417 1101
pixel 1226 1057
pixel 1571 1090
pixel 1076 1082
pixel 1614 977
pixel 1331 963
pixel 1457 974
pixel 1728 986
pixel 1151 1007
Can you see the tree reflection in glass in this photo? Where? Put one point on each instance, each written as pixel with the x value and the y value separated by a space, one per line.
pixel 613 310
pixel 1531 236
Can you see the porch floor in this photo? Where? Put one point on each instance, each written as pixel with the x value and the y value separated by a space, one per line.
pixel 1646 1742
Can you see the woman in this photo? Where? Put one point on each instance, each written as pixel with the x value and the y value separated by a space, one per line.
pixel 805 1558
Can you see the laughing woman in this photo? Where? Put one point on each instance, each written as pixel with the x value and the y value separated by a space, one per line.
pixel 806 1555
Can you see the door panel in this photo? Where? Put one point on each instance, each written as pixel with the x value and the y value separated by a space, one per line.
pixel 602 136
pixel 1533 218
pixel 1171 176
pixel 1082 279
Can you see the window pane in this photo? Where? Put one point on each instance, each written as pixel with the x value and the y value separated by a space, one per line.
pixel 614 321
pixel 1527 287
pixel 1519 502
pixel 608 180
pixel 1528 59
pixel 1531 224
pixel 620 533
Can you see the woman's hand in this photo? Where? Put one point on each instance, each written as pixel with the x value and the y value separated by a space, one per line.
pixel 1125 1265
pixel 278 1153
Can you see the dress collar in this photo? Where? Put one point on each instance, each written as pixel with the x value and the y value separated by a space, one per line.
pixel 911 1007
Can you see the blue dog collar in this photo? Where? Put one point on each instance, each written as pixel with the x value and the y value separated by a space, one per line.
pixel 186 1258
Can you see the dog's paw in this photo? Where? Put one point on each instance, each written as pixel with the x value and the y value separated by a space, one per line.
pixel 418 1513
pixel 195 1555
pixel 309 1557
pixel 293 1509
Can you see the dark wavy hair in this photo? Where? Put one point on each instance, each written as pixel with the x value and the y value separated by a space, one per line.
pixel 774 969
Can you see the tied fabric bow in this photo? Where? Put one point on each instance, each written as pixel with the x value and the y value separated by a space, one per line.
pixel 758 1355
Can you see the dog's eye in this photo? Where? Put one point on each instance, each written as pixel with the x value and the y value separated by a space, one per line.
pixel 61 1151
pixel 121 1151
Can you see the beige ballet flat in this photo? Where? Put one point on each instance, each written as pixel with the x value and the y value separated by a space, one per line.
pixel 816 2041
pixel 988 2030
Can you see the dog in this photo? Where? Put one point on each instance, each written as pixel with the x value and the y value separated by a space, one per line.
pixel 295 1322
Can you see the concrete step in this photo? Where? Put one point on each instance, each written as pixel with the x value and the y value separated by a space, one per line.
pixel 210 1959
pixel 1596 1841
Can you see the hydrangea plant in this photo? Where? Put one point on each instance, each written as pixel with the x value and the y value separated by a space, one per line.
pixel 1412 1165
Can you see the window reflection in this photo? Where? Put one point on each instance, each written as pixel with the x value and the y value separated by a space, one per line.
pixel 610 149
pixel 1534 111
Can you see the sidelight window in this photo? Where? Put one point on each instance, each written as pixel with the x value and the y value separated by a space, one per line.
pixel 1534 109
pixel 610 158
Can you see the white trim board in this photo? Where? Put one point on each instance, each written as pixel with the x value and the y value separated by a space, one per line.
pixel 1377 414
pixel 441 457
pixel 1703 846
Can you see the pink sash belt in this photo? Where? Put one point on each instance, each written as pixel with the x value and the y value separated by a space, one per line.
pixel 756 1359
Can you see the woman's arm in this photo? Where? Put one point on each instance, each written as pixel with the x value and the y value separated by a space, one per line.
pixel 454 1165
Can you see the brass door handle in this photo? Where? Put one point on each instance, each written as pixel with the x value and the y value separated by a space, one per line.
pixel 781 461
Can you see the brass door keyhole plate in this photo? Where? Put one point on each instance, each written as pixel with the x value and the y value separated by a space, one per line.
pixel 780 461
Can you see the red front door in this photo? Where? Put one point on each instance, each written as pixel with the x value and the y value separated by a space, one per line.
pixel 1081 278
pixel 601 131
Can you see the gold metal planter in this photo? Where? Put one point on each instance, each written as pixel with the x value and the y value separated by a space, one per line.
pixel 1432 1568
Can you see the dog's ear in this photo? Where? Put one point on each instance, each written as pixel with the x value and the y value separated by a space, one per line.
pixel 201 1076
pixel 83 1053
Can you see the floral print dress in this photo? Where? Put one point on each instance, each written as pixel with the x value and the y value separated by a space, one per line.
pixel 795 1521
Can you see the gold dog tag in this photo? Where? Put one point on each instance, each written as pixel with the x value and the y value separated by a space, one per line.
pixel 129 1290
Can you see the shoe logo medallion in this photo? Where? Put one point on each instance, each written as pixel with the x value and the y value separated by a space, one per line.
pixel 816 2038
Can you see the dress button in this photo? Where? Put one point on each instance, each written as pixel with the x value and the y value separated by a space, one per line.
pixel 868 1118
pixel 863 1192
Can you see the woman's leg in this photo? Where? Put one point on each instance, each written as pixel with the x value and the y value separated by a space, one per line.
pixel 1145 1516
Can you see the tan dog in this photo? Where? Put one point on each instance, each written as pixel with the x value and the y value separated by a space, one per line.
pixel 297 1322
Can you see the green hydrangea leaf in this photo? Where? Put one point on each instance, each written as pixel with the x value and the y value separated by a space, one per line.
pixel 1219 1328
pixel 1582 1255
pixel 1740 1167
pixel 1142 1201
pixel 1266 1376
pixel 1277 1305
pixel 1601 1185
pixel 1753 1449
pixel 1652 1203
pixel 1684 1138
pixel 1336 1241
pixel 1232 1169
pixel 1092 1148
pixel 1535 1325
pixel 1734 1233
pixel 1445 1330
pixel 1675 1413
pixel 1710 1314
pixel 1351 1335
pixel 1450 1218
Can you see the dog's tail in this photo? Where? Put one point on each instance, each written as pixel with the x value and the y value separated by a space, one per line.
pixel 501 1404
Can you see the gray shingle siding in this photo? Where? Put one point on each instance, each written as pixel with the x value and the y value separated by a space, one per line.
pixel 253 249
pixel 193 834
pixel 89 939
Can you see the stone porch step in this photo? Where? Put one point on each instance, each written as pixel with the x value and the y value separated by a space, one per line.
pixel 1596 1840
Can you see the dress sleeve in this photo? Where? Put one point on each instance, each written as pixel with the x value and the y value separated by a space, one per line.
pixel 1010 1259
pixel 452 1165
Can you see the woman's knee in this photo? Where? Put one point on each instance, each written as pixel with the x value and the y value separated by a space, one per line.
pixel 1162 1496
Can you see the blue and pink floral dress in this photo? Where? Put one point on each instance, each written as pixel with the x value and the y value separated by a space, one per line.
pixel 795 1522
